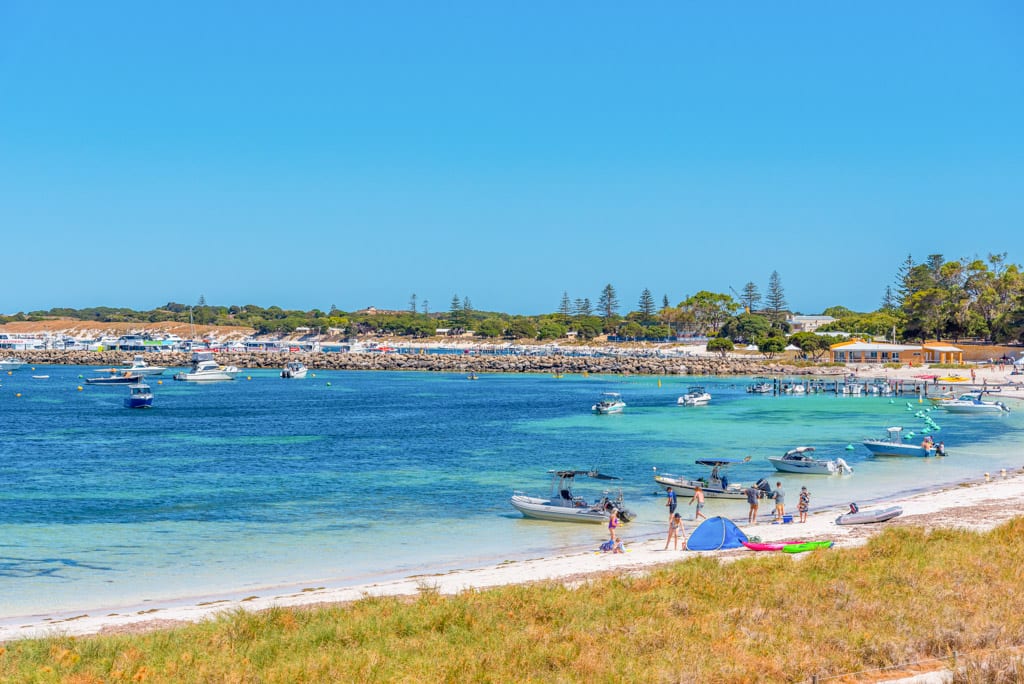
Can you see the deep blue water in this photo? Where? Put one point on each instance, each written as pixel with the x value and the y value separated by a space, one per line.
pixel 344 477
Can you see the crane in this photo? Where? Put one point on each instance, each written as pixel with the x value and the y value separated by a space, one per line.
pixel 746 309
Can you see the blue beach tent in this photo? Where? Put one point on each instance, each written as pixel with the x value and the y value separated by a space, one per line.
pixel 716 533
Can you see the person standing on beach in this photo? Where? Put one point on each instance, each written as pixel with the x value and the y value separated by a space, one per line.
pixel 671 503
pixel 698 496
pixel 780 502
pixel 613 525
pixel 675 531
pixel 804 504
pixel 752 493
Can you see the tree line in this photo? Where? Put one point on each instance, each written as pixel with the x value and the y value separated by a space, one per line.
pixel 931 299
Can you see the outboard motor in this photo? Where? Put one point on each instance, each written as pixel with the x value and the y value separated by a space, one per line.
pixel 765 487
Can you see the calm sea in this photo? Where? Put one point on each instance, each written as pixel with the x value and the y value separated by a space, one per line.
pixel 342 478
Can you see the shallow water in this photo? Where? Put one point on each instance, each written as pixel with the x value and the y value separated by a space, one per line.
pixel 349 477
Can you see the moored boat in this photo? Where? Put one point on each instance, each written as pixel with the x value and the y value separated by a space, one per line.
pixel 893 445
pixel 294 369
pixel 801 460
pixel 696 396
pixel 124 378
pixel 563 505
pixel 11 363
pixel 139 367
pixel 206 369
pixel 971 402
pixel 716 485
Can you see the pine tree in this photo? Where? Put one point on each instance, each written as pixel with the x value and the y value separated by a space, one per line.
pixel 776 297
pixel 646 306
pixel 467 312
pixel 455 313
pixel 412 303
pixel 565 308
pixel 751 298
pixel 903 285
pixel 664 301
pixel 608 302
pixel 888 300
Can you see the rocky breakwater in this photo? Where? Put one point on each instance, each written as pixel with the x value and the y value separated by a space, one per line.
pixel 445 363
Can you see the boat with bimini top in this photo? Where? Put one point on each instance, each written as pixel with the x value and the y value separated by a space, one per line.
pixel 206 369
pixel 716 485
pixel 294 369
pixel 893 444
pixel 696 396
pixel 563 505
pixel 971 402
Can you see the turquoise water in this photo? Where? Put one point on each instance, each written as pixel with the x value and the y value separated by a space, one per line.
pixel 230 489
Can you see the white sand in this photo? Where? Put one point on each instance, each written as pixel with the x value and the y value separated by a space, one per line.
pixel 976 505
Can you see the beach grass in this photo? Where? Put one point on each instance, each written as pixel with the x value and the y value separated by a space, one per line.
pixel 908 595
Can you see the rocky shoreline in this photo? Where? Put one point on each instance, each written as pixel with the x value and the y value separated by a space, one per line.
pixel 449 363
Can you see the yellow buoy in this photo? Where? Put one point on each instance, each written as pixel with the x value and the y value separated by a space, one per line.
pixel 18 394
pixel 159 382
pixel 248 377
pixel 659 382
pixel 79 388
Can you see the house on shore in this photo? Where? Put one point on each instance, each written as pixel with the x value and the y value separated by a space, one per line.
pixel 859 351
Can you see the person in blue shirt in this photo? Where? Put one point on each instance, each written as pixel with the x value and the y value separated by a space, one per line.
pixel 671 503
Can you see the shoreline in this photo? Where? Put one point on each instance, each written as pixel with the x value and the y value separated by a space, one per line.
pixel 973 504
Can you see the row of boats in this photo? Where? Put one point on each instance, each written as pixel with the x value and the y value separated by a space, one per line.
pixel 204 369
pixel 611 402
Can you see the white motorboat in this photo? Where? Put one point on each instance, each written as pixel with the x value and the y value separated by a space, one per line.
pixel 716 485
pixel 801 460
pixel 695 396
pixel 610 402
pixel 294 369
pixel 139 367
pixel 11 363
pixel 894 445
pixel 971 402
pixel 206 369
pixel 565 506
pixel 761 385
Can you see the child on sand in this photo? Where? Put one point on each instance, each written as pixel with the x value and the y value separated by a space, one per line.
pixel 675 531
pixel 804 504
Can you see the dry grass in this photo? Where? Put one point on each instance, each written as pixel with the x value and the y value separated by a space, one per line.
pixel 909 594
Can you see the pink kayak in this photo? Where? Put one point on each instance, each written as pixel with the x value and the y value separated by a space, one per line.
pixel 768 546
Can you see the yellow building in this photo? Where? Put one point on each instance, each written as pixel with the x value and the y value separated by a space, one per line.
pixel 859 351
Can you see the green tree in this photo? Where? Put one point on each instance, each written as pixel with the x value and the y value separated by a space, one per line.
pixel 565 309
pixel 631 329
pixel 709 310
pixel 521 328
pixel 551 329
pixel 646 306
pixel 775 300
pixel 813 345
pixel 608 303
pixel 456 314
pixel 770 346
pixel 412 303
pixel 751 297
pixel 490 327
pixel 746 327
pixel 722 345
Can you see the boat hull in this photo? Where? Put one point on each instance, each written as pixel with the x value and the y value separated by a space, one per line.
pixel 113 380
pixel 689 487
pixel 882 448
pixel 543 509
pixel 804 467
pixel 134 402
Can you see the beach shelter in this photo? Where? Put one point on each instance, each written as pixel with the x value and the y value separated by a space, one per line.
pixel 716 533
pixel 1020 361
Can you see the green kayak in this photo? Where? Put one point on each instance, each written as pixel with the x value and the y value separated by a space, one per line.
pixel 806 546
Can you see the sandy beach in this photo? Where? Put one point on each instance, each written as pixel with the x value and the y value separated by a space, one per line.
pixel 978 504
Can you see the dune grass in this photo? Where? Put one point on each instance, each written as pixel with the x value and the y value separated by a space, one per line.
pixel 907 595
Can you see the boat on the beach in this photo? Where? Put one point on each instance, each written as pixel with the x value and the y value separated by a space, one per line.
pixel 294 369
pixel 610 402
pixel 894 445
pixel 716 485
pixel 206 369
pixel 124 378
pixel 563 505
pixel 801 460
pixel 971 402
pixel 139 367
pixel 761 385
pixel 695 396
pixel 859 517
pixel 140 395
pixel 11 363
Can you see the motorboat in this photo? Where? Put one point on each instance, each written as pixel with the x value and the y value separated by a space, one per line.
pixel 696 396
pixel 859 517
pixel 11 363
pixel 123 378
pixel 563 505
pixel 140 368
pixel 971 402
pixel 206 369
pixel 893 444
pixel 610 402
pixel 294 369
pixel 716 485
pixel 140 395
pixel 761 385
pixel 801 460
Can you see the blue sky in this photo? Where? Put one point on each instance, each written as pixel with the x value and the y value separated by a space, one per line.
pixel 353 154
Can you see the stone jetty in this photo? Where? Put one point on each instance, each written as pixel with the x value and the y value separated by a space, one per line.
pixel 448 363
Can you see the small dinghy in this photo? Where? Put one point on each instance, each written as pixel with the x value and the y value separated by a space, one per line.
pixel 876 515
